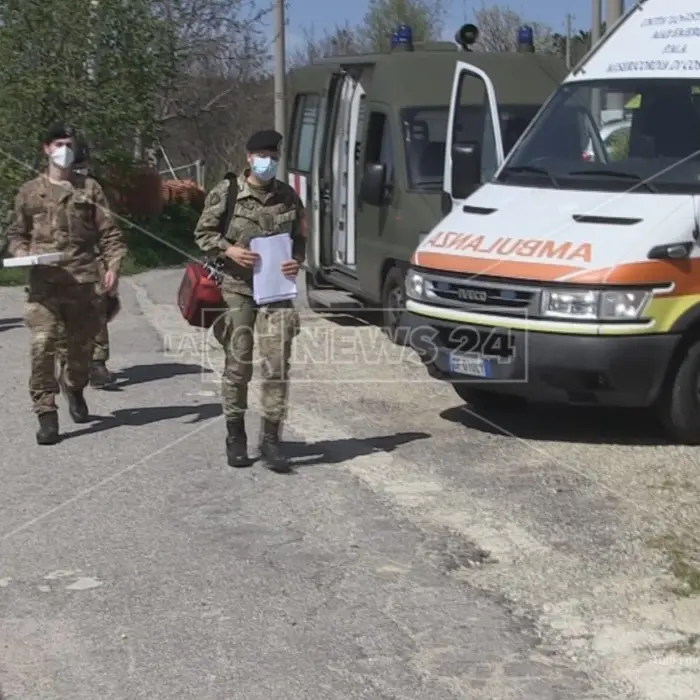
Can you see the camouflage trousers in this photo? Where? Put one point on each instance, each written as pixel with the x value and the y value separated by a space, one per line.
pixel 51 311
pixel 100 345
pixel 276 325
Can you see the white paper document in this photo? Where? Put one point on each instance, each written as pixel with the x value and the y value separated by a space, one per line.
pixel 269 283
pixel 29 260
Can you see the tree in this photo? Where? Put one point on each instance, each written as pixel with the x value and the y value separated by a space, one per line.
pixel 373 34
pixel 102 74
pixel 343 40
pixel 498 31
pixel 425 17
pixel 580 44
pixel 220 86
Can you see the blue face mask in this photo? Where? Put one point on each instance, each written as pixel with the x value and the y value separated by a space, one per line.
pixel 264 167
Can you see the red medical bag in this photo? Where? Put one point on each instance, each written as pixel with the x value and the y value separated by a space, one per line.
pixel 199 296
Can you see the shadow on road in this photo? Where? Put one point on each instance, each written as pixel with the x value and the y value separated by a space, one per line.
pixel 8 324
pixel 343 317
pixel 134 417
pixel 563 424
pixel 309 454
pixel 141 374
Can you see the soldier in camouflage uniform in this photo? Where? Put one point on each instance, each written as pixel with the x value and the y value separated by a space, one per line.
pixel 265 206
pixel 60 211
pixel 100 376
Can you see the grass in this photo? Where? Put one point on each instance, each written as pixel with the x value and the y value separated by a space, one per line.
pixel 682 554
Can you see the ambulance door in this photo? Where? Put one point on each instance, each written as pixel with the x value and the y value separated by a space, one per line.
pixel 323 170
pixel 474 147
pixel 310 129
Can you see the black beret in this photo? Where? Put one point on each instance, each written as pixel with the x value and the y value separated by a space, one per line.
pixel 267 140
pixel 59 131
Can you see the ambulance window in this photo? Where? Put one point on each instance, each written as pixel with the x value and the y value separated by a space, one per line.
pixel 380 147
pixel 304 121
pixel 475 123
pixel 607 135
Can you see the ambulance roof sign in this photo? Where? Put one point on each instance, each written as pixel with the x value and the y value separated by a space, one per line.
pixel 656 39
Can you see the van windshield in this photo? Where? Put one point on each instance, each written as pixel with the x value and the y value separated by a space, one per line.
pixel 425 135
pixel 617 135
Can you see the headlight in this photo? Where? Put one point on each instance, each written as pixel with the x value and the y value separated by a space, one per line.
pixel 585 305
pixel 618 306
pixel 415 285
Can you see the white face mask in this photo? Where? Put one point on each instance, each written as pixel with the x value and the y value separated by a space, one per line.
pixel 63 157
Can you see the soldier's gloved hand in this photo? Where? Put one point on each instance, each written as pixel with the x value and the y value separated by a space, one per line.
pixel 242 256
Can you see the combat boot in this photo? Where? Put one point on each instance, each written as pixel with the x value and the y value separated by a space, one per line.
pixel 48 429
pixel 237 444
pixel 77 406
pixel 100 376
pixel 270 448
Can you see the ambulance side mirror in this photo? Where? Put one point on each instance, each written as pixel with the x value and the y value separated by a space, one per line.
pixel 466 168
pixel 373 188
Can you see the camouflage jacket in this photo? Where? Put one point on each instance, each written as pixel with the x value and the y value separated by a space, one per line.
pixel 258 212
pixel 74 220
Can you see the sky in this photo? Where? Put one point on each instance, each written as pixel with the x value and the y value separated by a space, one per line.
pixel 325 14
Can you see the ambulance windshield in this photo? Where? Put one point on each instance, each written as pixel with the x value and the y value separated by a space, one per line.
pixel 425 134
pixel 616 135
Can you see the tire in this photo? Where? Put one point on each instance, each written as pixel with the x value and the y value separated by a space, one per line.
pixel 393 306
pixel 486 400
pixel 679 406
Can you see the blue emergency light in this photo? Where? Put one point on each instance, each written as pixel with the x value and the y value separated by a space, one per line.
pixel 402 37
pixel 526 39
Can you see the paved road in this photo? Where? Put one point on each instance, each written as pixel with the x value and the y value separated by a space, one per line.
pixel 418 552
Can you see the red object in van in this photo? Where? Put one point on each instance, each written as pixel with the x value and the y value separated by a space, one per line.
pixel 199 297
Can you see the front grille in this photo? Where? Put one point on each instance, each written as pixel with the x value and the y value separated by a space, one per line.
pixel 504 298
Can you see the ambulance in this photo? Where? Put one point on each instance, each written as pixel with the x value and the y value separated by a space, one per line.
pixel 572 274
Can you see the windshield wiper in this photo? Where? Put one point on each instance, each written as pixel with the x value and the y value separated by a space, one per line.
pixel 620 174
pixel 530 169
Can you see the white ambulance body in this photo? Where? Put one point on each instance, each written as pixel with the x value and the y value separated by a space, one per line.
pixel 573 274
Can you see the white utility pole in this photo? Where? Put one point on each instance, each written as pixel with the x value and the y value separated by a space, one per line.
pixel 595 38
pixel 615 10
pixel 280 85
pixel 569 38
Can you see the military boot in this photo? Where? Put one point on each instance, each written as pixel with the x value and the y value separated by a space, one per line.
pixel 48 429
pixel 77 406
pixel 270 448
pixel 100 376
pixel 237 444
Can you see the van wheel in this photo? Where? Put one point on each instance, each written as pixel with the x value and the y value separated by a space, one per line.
pixel 679 406
pixel 485 400
pixel 393 306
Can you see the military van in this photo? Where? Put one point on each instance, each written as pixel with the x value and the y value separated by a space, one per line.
pixel 366 153
pixel 573 276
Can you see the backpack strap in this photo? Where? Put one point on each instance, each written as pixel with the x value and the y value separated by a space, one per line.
pixel 231 199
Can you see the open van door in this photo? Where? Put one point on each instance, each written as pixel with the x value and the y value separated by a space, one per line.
pixel 323 181
pixel 470 159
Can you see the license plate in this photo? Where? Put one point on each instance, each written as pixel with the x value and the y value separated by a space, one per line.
pixel 471 364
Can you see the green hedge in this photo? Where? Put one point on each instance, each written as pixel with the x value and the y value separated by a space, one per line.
pixel 163 241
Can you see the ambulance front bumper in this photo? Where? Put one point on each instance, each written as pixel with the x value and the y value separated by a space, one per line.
pixel 545 367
